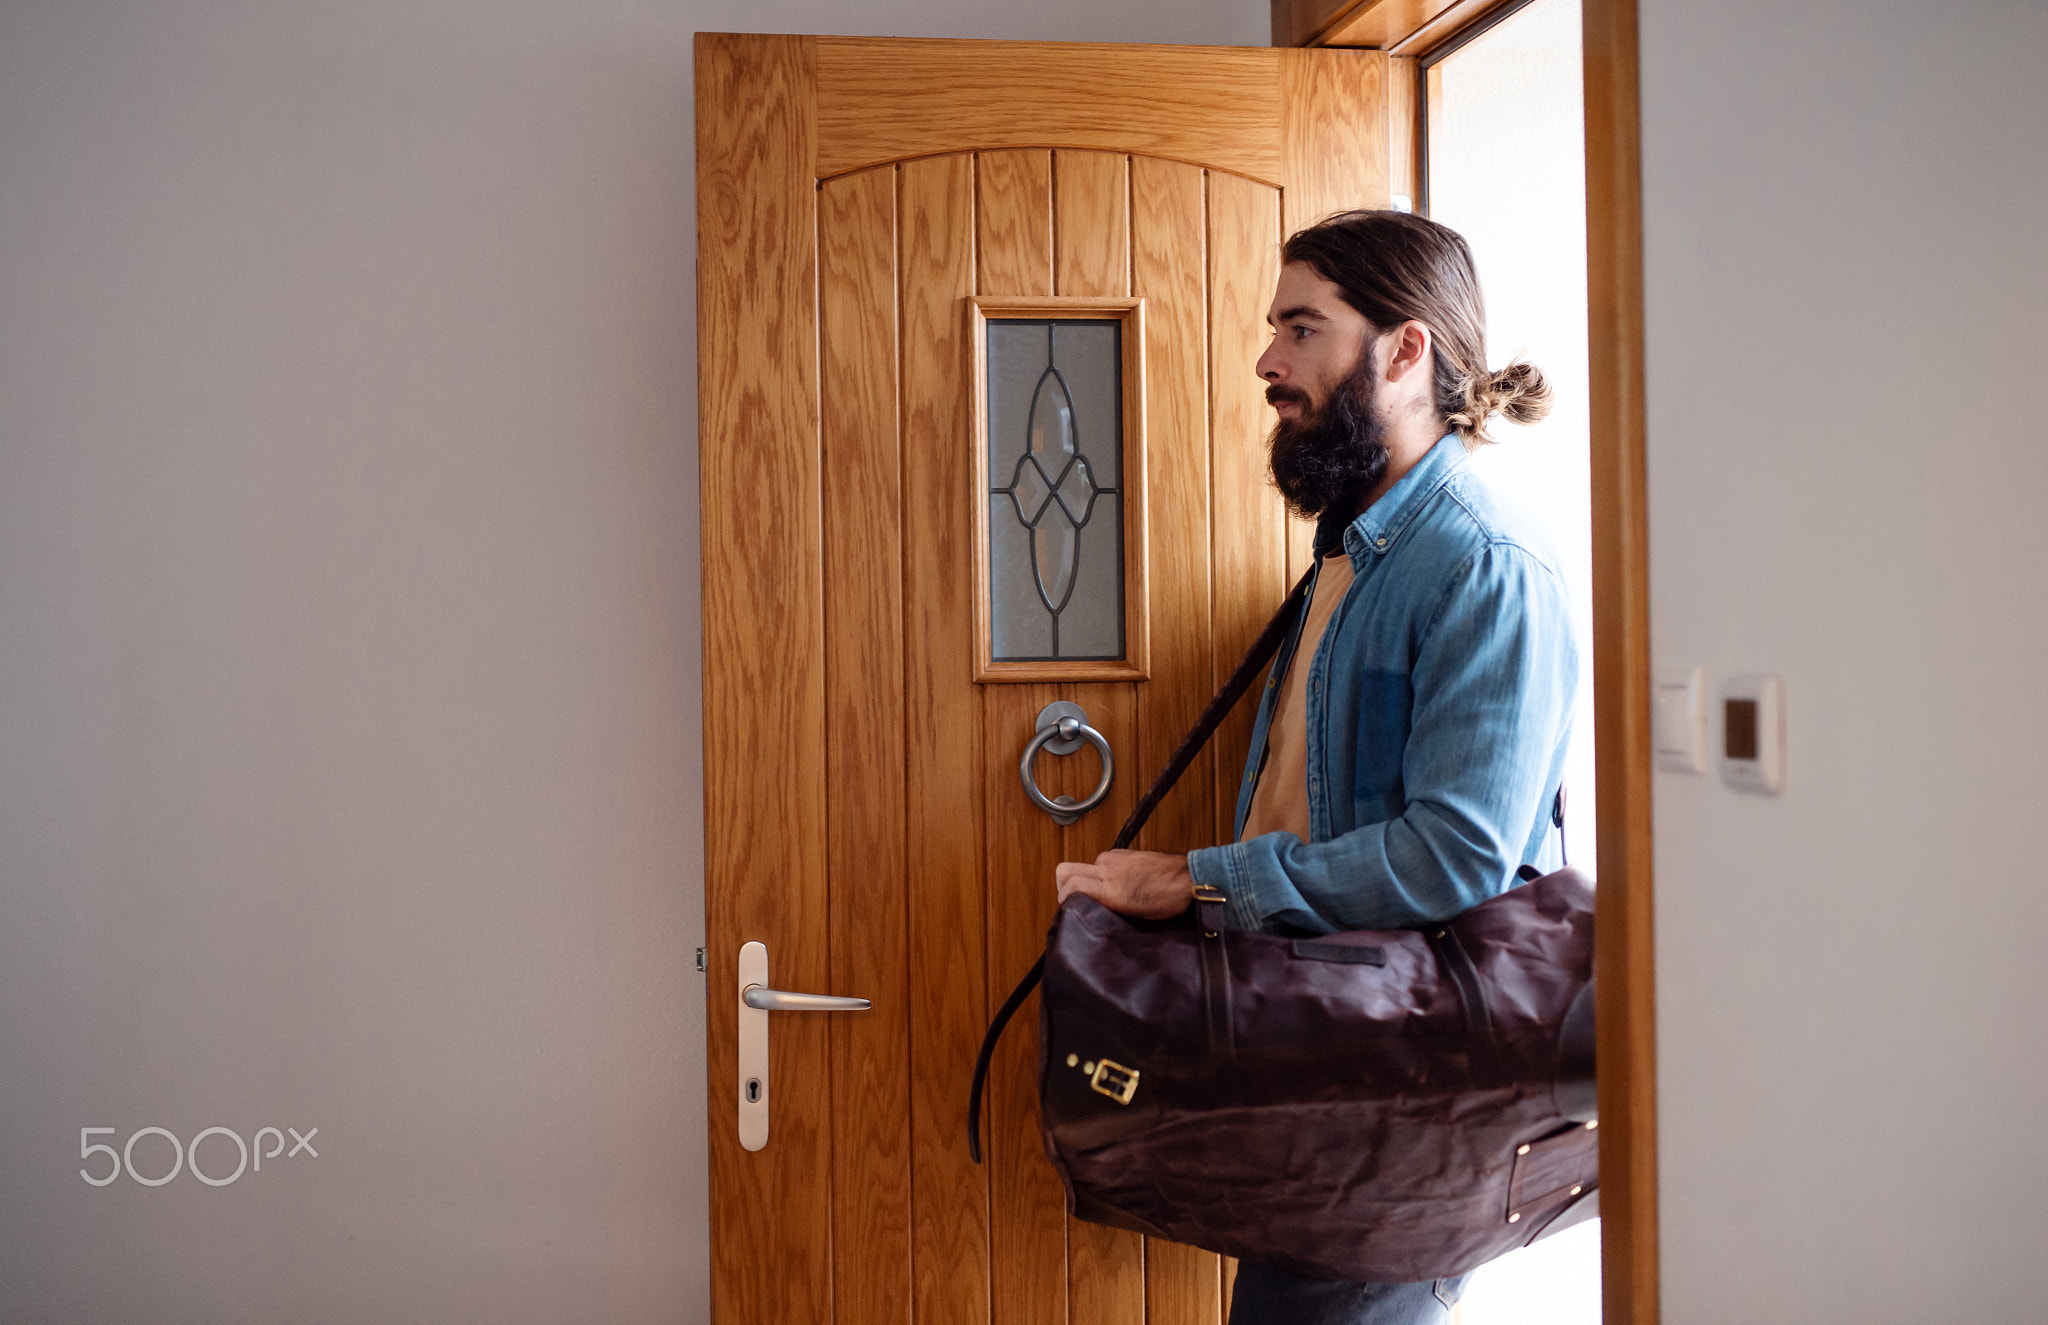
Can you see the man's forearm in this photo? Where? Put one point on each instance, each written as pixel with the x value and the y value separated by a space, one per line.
pixel 1411 871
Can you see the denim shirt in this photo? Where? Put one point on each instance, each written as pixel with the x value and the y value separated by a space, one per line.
pixel 1439 711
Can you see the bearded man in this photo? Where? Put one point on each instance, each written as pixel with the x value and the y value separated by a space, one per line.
pixel 1411 738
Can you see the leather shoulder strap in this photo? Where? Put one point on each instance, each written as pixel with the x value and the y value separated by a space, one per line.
pixel 1255 659
pixel 988 1050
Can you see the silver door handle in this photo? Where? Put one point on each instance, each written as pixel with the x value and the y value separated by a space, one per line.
pixel 777 1000
pixel 756 1001
pixel 1062 727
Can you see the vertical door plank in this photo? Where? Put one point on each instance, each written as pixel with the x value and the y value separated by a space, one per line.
pixel 1013 217
pixel 1248 543
pixel 1107 1265
pixel 764 657
pixel 1334 155
pixel 1248 558
pixel 1028 1241
pixel 1027 1207
pixel 1404 143
pixel 943 753
pixel 1185 1285
pixel 864 748
pixel 1091 223
pixel 1333 132
pixel 1091 191
pixel 1168 269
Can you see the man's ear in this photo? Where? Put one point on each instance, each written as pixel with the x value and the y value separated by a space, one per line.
pixel 1409 348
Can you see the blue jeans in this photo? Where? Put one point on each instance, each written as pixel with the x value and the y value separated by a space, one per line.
pixel 1265 1296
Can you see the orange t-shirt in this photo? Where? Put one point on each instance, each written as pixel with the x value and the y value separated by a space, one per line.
pixel 1280 800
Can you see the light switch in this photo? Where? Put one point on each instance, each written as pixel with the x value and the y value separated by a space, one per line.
pixel 1680 721
pixel 1753 734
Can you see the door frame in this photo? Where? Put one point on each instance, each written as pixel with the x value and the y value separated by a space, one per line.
pixel 1625 940
pixel 1625 956
pixel 763 643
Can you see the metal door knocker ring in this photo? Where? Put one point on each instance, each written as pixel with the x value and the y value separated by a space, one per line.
pixel 1062 728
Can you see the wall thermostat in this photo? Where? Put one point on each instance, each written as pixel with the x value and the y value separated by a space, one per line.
pixel 1753 734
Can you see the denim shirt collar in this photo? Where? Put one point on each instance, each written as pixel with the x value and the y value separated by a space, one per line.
pixel 1379 528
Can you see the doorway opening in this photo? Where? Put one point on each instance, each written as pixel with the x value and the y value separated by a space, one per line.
pixel 1502 160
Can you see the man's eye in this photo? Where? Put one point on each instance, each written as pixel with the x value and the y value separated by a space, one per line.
pixel 1302 333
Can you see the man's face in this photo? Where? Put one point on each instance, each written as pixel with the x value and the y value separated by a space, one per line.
pixel 1317 341
pixel 1328 448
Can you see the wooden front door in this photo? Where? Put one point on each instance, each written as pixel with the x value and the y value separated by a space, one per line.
pixel 859 202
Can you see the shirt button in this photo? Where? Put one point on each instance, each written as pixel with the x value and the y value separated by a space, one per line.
pixel 1382 540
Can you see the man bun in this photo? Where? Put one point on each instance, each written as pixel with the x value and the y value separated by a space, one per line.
pixel 1520 393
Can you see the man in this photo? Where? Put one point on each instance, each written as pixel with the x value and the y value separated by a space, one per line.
pixel 1412 734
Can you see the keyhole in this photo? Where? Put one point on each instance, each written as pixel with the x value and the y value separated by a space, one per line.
pixel 753 1090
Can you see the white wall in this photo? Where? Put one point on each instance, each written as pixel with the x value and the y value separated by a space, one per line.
pixel 348 645
pixel 1844 208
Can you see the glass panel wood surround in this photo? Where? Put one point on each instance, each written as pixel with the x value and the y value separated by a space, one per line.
pixel 1059 446
pixel 1055 438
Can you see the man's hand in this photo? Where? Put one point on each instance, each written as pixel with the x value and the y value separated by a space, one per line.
pixel 1152 885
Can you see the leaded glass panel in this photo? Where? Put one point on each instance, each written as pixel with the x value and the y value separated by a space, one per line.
pixel 1055 467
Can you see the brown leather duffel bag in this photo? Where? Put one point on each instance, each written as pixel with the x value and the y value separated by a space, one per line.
pixel 1375 1106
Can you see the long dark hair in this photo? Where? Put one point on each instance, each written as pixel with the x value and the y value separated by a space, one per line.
pixel 1394 267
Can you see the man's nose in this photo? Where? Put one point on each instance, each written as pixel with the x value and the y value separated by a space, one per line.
pixel 1269 367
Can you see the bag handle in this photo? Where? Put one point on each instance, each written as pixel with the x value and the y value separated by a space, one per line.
pixel 1262 651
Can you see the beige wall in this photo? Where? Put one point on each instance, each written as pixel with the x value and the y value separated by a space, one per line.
pixel 348 632
pixel 1845 207
pixel 348 729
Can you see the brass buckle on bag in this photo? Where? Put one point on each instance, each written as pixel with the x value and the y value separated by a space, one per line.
pixel 1115 1080
pixel 1206 893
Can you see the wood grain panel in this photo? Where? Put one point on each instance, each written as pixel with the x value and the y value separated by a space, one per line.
pixel 1184 1285
pixel 1334 152
pixel 1091 223
pixel 883 99
pixel 1106 1266
pixel 1301 536
pixel 1333 133
pixel 1027 1207
pixel 1169 270
pixel 1404 139
pixel 943 748
pixel 1013 221
pixel 864 723
pixel 764 657
pixel 1621 667
pixel 1248 538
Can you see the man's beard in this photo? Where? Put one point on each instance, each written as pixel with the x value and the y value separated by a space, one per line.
pixel 1331 455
